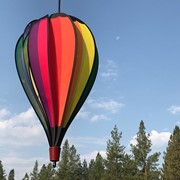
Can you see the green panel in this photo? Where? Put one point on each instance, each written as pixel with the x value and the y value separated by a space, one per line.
pixel 23 76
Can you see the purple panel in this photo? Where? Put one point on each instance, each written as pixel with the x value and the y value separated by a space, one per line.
pixel 34 59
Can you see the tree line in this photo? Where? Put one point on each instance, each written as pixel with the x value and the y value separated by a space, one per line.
pixel 139 164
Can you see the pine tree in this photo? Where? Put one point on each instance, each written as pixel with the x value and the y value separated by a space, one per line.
pixel 115 156
pixel 43 173
pixel 62 172
pixel 98 168
pixel 2 172
pixel 85 170
pixel 35 174
pixel 129 167
pixel 70 164
pixel 90 169
pixel 171 166
pixel 26 177
pixel 75 169
pixel 11 175
pixel 147 165
pixel 50 172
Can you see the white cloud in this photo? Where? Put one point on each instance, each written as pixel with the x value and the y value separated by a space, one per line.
pixel 158 139
pixel 174 109
pixel 21 164
pixel 109 105
pixel 20 135
pixel 110 70
pixel 92 155
pixel 98 117
pixel 20 130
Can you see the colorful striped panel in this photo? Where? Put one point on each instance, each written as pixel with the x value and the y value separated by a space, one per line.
pixel 62 59
pixel 26 83
pixel 84 63
pixel 57 63
pixel 38 57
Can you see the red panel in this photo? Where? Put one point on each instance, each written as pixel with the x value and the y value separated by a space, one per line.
pixel 62 55
pixel 54 54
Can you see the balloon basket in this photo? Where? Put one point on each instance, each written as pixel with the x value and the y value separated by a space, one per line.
pixel 54 153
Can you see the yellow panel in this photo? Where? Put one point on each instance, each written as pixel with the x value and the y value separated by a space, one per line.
pixel 86 63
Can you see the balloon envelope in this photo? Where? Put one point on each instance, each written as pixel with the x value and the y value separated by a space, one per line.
pixel 57 62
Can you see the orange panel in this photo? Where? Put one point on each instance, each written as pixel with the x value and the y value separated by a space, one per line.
pixel 63 40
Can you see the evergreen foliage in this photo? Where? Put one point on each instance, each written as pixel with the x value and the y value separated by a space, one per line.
pixel 70 164
pixel 74 164
pixel 115 156
pixel 85 170
pixel 97 168
pixel 26 177
pixel 2 172
pixel 141 164
pixel 171 166
pixel 129 167
pixel 47 172
pixel 43 173
pixel 11 175
pixel 35 173
pixel 50 172
pixel 90 169
pixel 146 165
pixel 62 172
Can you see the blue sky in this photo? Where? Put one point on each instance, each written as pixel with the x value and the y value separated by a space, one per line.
pixel 138 79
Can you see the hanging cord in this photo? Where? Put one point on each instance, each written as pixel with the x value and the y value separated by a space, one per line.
pixel 59 5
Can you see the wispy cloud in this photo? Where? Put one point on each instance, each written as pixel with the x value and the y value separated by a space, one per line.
pixel 102 108
pixel 84 141
pixel 83 114
pixel 99 109
pixel 109 105
pixel 99 117
pixel 4 113
pixel 109 70
pixel 174 109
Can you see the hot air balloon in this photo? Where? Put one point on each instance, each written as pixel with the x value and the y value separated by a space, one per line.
pixel 57 61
